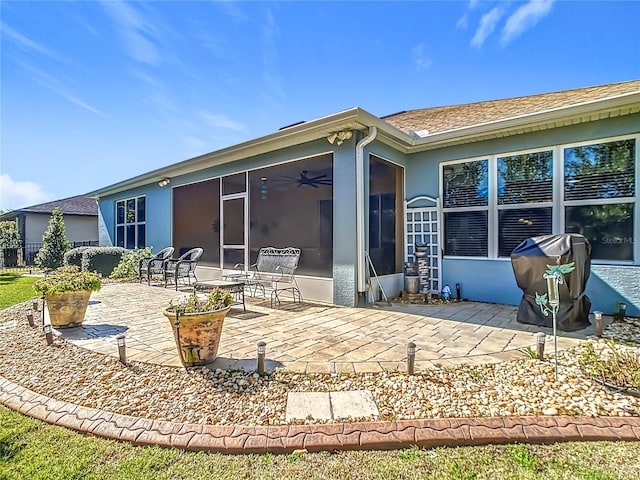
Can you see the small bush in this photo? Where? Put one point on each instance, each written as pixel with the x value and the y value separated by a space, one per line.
pixel 74 256
pixel 129 263
pixel 68 279
pixel 101 260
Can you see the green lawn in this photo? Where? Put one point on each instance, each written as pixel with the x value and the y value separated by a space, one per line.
pixel 15 289
pixel 34 450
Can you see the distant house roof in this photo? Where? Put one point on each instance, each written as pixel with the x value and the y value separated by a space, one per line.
pixel 452 117
pixel 78 205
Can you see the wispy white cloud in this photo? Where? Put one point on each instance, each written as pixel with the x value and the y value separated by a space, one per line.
pixel 271 77
pixel 222 121
pixel 16 194
pixel 420 58
pixel 139 35
pixel 488 23
pixel 524 18
pixel 232 10
pixel 57 86
pixel 25 43
pixel 463 22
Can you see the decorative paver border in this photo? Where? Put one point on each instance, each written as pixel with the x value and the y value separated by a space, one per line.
pixel 319 437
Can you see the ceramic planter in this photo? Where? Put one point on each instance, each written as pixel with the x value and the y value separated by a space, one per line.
pixel 67 309
pixel 197 335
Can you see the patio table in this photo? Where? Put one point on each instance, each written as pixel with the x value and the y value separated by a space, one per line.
pixel 236 289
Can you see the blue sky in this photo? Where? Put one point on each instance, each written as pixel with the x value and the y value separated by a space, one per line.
pixel 94 92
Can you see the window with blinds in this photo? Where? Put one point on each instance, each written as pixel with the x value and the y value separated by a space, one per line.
pixel 602 170
pixel 526 178
pixel 466 184
pixel 596 197
pixel 518 224
pixel 465 233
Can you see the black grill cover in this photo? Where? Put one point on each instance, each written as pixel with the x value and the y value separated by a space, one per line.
pixel 529 261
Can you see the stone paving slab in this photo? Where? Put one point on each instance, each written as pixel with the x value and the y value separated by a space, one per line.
pixel 321 437
pixel 313 338
pixel 308 406
pixel 354 404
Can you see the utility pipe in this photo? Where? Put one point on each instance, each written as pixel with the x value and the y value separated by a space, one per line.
pixel 360 212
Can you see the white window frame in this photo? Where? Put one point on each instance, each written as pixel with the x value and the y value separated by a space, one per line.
pixel 558 203
pixel 136 223
pixel 491 185
pixel 495 212
pixel 635 200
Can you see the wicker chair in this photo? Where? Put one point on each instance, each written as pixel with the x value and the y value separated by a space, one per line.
pixel 183 267
pixel 149 267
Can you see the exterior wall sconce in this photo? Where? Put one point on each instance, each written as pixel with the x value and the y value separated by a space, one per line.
pixel 164 182
pixel 339 137
pixel 262 351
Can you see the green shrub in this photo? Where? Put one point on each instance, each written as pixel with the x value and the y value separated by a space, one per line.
pixel 55 243
pixel 67 279
pixel 74 257
pixel 95 259
pixel 129 263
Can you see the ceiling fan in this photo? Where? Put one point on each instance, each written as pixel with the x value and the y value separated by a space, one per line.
pixel 313 181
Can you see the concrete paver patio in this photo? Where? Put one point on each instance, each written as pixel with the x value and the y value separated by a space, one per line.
pixel 314 338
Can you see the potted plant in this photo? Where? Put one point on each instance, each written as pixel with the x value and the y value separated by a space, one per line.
pixel 197 325
pixel 67 291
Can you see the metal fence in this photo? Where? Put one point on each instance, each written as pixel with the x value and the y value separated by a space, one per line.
pixel 25 256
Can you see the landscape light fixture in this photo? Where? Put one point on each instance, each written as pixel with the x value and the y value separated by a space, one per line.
pixel 262 351
pixel 30 317
pixel 411 357
pixel 598 316
pixel 122 348
pixel 541 338
pixel 48 333
pixel 164 182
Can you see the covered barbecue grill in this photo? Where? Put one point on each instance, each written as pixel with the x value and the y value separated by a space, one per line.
pixel 530 261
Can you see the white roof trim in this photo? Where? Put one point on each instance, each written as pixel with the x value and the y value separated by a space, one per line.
pixel 359 119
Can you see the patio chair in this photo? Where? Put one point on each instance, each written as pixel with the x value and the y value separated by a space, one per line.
pixel 275 270
pixel 154 265
pixel 182 268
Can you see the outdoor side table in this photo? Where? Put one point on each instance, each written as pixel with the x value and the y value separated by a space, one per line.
pixel 236 289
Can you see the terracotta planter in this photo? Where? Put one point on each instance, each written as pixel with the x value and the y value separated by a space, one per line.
pixel 67 309
pixel 197 335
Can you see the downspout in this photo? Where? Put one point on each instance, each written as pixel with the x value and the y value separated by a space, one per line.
pixel 360 212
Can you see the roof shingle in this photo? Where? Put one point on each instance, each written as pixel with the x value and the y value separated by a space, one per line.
pixel 78 205
pixel 441 119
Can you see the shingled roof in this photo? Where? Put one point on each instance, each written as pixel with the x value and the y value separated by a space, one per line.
pixel 78 205
pixel 442 119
